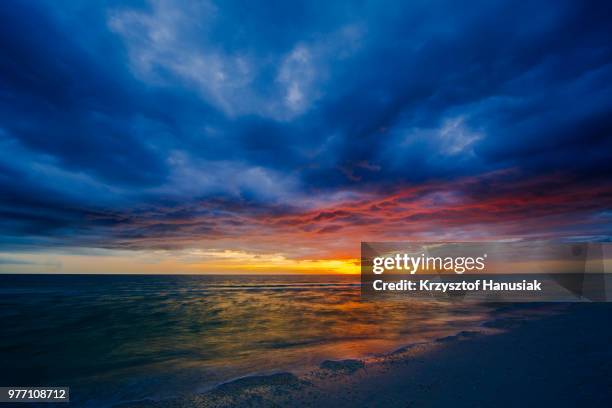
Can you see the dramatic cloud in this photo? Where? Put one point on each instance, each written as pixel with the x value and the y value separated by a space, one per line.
pixel 299 129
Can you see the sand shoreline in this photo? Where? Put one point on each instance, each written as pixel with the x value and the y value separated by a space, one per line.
pixel 562 359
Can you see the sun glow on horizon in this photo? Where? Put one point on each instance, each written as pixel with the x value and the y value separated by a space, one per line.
pixel 194 261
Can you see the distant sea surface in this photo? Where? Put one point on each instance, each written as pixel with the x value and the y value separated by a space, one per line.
pixel 123 338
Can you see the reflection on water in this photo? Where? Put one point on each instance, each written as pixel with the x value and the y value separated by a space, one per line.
pixel 117 338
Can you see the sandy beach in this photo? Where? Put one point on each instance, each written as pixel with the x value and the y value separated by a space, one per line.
pixel 559 360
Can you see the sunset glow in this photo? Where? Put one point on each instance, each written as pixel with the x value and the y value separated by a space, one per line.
pixel 186 147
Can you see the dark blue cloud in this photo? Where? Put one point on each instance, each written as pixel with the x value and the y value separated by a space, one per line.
pixel 115 106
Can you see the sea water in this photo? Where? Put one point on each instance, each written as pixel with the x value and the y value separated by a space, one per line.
pixel 118 338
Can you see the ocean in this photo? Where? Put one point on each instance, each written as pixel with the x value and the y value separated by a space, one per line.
pixel 120 338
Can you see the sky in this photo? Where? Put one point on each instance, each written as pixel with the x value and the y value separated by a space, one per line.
pixel 271 137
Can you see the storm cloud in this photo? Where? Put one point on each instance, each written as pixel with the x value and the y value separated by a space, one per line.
pixel 157 124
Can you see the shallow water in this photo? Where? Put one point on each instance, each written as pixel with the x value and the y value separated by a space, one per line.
pixel 125 338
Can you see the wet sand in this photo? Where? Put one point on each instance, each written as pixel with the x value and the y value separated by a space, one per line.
pixel 562 360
